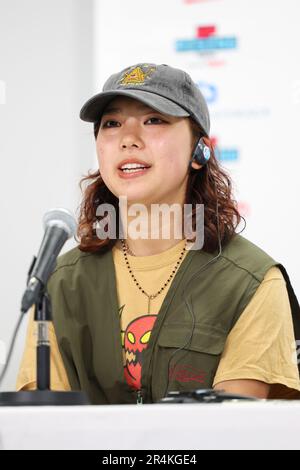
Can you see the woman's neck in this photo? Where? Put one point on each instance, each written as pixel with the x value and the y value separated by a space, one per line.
pixel 142 247
pixel 151 231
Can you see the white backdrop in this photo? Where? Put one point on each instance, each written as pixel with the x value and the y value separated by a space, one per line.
pixel 253 92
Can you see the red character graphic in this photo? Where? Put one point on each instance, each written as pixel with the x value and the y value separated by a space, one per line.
pixel 136 339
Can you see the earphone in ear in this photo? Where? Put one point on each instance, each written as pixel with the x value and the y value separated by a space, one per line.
pixel 201 153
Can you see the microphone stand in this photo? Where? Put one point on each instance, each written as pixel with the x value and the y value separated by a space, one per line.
pixel 43 395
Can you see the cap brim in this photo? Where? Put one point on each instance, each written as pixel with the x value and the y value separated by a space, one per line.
pixel 92 110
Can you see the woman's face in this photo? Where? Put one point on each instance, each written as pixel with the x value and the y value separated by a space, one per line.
pixel 131 131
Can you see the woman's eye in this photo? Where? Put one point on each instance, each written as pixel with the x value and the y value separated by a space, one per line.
pixel 155 120
pixel 110 123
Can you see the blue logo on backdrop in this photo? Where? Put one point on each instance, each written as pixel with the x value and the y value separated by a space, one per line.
pixel 206 40
pixel 225 154
pixel 228 155
pixel 209 91
pixel 207 44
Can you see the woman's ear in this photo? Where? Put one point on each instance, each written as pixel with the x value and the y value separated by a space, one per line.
pixel 196 165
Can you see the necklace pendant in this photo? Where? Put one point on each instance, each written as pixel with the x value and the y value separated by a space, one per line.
pixel 149 299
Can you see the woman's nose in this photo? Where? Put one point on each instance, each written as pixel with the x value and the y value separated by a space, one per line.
pixel 127 143
pixel 131 138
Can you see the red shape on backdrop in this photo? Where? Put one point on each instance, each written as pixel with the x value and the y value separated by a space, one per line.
pixel 214 141
pixel 205 31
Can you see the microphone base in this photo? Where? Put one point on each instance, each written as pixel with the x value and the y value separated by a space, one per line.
pixel 43 398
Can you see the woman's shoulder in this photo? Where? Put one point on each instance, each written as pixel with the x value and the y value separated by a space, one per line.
pixel 244 254
pixel 76 268
pixel 240 244
pixel 70 258
pixel 75 258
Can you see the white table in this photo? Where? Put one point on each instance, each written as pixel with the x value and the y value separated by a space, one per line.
pixel 231 425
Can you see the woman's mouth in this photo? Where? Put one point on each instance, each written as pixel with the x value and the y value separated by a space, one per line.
pixel 131 171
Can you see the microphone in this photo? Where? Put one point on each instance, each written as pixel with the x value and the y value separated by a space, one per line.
pixel 59 225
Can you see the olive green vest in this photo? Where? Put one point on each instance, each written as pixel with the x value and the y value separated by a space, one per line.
pixel 188 336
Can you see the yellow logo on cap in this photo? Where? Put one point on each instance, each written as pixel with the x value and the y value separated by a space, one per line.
pixel 137 76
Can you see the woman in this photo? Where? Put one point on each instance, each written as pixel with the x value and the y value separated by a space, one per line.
pixel 137 313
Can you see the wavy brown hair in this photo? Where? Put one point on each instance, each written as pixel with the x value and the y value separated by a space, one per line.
pixel 209 185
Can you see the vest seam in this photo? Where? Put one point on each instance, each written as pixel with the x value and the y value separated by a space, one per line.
pixel 241 267
pixel 70 264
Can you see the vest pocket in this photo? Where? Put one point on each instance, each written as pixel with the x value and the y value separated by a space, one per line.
pixel 189 365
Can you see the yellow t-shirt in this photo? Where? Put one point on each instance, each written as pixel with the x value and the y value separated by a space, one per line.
pixel 261 345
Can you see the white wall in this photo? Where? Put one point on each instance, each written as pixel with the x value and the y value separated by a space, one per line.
pixel 46 52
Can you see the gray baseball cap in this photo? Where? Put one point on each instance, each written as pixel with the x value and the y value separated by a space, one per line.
pixel 166 89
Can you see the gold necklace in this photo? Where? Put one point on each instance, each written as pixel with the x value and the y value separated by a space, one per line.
pixel 152 296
